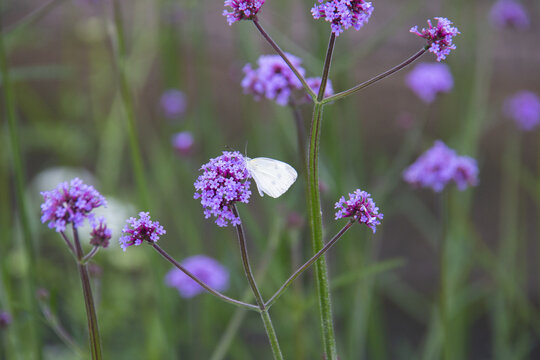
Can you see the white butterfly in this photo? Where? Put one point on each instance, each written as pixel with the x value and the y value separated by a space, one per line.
pixel 272 177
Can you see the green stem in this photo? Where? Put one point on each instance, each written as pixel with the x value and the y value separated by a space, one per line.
pixel 326 69
pixel 93 329
pixel 376 78
pixel 202 283
pixel 272 337
pixel 315 221
pixel 90 255
pixel 308 263
pixel 17 163
pixel 127 101
pixel 284 57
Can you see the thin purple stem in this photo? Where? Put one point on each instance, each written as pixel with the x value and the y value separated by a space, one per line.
pixel 90 255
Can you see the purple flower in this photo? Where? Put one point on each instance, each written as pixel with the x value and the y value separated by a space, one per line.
pixel 272 78
pixel 5 319
pixel 361 207
pixel 439 37
pixel 242 10
pixel 142 229
pixel 343 14
pixel 225 180
pixel 315 84
pixel 183 142
pixel 69 204
pixel 524 108
pixel 426 80
pixel 438 166
pixel 100 234
pixel 509 13
pixel 173 103
pixel 208 270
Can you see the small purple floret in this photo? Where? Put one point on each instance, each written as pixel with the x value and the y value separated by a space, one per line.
pixel 343 14
pixel 440 165
pixel 524 108
pixel 426 80
pixel 272 78
pixel 509 13
pixel 242 10
pixel 5 319
pixel 208 270
pixel 69 203
pixel 361 207
pixel 225 180
pixel 173 103
pixel 439 37
pixel 139 230
pixel 182 142
pixel 100 234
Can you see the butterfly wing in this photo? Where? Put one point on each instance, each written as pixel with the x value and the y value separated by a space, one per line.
pixel 273 177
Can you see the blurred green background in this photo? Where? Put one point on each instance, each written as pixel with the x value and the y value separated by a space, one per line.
pixel 73 120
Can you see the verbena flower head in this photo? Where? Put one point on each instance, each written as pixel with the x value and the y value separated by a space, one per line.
pixel 205 268
pixel 69 203
pixel 173 103
pixel 100 234
pixel 427 80
pixel 361 207
pixel 224 181
pixel 439 37
pixel 315 84
pixel 182 142
pixel 5 319
pixel 343 14
pixel 139 230
pixel 438 166
pixel 524 108
pixel 272 78
pixel 242 10
pixel 509 13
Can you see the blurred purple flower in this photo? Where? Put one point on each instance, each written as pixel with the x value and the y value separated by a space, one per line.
pixel 438 166
pixel 361 207
pixel 343 14
pixel 315 84
pixel 69 203
pixel 5 319
pixel 173 103
pixel 428 79
pixel 272 78
pixel 208 270
pixel 142 229
pixel 225 180
pixel 100 234
pixel 439 37
pixel 524 108
pixel 242 10
pixel 182 142
pixel 509 13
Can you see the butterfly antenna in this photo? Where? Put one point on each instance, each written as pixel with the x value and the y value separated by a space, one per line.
pixel 245 148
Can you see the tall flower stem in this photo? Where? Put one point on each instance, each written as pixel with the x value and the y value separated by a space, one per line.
pixel 202 283
pixel 282 54
pixel 315 220
pixel 308 263
pixel 18 170
pixel 271 333
pixel 376 78
pixel 93 329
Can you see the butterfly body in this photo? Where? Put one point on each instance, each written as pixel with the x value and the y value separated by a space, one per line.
pixel 272 177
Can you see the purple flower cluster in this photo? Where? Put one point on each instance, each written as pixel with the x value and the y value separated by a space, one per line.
pixel 440 165
pixel 426 80
pixel 182 142
pixel 242 10
pixel 439 37
pixel 142 229
pixel 225 180
pixel 5 319
pixel 173 103
pixel 272 78
pixel 524 108
pixel 343 14
pixel 69 203
pixel 509 13
pixel 208 270
pixel 361 207
pixel 100 234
